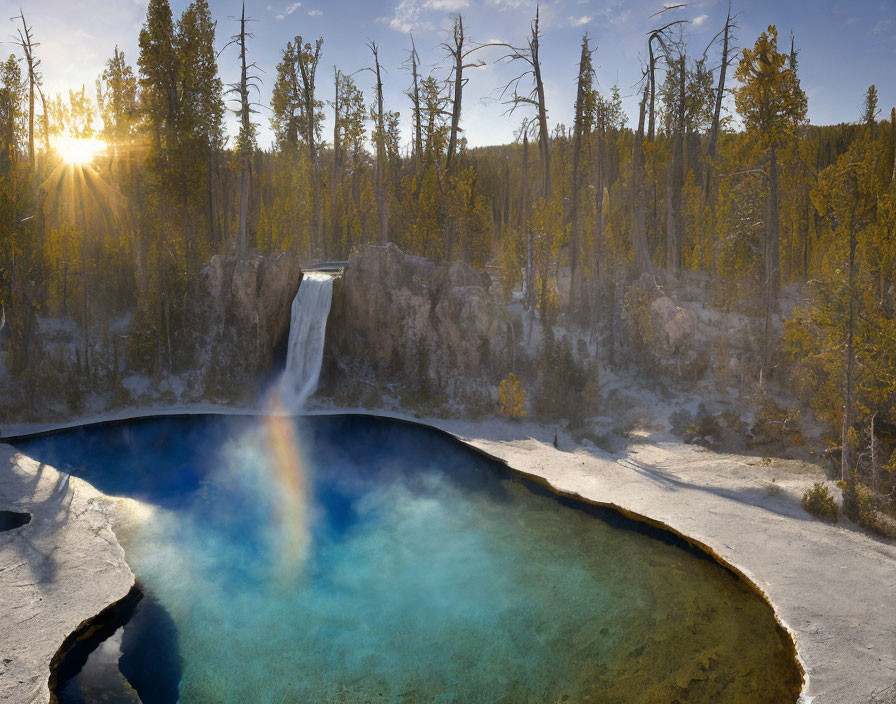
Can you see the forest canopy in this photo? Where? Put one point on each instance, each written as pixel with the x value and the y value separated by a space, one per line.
pixel 112 201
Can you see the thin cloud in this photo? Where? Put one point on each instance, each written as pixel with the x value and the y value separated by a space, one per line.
pixel 315 13
pixel 446 5
pixel 613 16
pixel 289 10
pixel 883 27
pixel 580 21
pixel 411 15
pixel 511 4
pixel 700 19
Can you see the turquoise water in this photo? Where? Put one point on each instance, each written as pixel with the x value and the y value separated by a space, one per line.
pixel 354 559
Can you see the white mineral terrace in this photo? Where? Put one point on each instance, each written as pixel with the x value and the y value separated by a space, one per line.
pixel 833 587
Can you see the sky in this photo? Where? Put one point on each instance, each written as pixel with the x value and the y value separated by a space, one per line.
pixel 843 46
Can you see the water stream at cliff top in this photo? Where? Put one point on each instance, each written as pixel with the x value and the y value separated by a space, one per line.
pixel 307 334
pixel 356 560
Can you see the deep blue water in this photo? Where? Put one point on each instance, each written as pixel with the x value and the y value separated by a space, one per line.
pixel 356 559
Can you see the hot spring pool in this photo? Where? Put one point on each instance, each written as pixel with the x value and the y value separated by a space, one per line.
pixel 356 559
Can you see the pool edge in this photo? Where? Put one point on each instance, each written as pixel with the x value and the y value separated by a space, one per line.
pixel 432 424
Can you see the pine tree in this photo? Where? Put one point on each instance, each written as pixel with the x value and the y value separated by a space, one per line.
pixel 117 100
pixel 870 111
pixel 585 109
pixel 772 106
pixel 159 71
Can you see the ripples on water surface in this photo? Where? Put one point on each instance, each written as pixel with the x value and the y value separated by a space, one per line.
pixel 354 559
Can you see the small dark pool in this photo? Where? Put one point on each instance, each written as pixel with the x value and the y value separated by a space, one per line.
pixel 10 520
pixel 356 559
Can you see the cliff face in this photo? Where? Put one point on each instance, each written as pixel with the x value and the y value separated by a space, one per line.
pixel 242 318
pixel 415 325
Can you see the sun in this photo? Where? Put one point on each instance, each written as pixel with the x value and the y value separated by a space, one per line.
pixel 74 150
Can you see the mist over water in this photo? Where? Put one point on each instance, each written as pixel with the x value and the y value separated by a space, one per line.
pixel 350 559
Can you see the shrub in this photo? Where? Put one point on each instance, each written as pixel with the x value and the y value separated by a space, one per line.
pixel 776 424
pixel 819 501
pixel 512 397
pixel 680 421
pixel 705 429
pixel 862 506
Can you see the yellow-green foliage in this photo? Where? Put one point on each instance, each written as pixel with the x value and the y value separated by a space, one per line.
pixel 867 509
pixel 549 232
pixel 638 320
pixel 777 424
pixel 512 397
pixel 819 501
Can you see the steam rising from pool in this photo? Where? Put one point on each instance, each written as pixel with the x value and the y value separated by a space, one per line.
pixel 347 559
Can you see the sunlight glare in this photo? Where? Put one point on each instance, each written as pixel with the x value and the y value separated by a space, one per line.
pixel 79 151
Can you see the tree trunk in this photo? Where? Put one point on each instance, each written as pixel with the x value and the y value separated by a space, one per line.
pixel 458 52
pixel 639 234
pixel 675 181
pixel 85 293
pixel 379 186
pixel 524 222
pixel 418 126
pixel 875 460
pixel 543 137
pixel 544 146
pixel 336 172
pixel 578 127
pixel 308 69
pixel 720 91
pixel 651 121
pixel 246 129
pixel 893 142
pixel 27 45
pixel 211 196
pixel 598 222
pixel 772 235
pixel 846 451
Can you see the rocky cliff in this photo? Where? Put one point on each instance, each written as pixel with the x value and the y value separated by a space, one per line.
pixel 227 347
pixel 431 331
pixel 241 320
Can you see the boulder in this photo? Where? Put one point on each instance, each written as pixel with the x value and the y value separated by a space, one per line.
pixel 674 327
pixel 662 334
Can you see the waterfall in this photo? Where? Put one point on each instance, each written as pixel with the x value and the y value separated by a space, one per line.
pixel 307 330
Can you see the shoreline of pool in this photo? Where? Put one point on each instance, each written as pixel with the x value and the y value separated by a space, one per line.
pixel 720 507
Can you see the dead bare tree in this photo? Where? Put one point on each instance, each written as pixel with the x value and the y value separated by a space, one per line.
pixel 459 55
pixel 414 94
pixel 246 139
pixel 661 37
pixel 27 44
pixel 522 221
pixel 727 57
pixel 338 159
pixel 725 33
pixel 643 263
pixel 529 55
pixel 380 135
